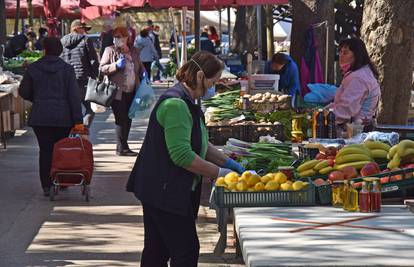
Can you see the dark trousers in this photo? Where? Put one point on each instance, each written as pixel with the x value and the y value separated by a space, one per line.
pixel 87 112
pixel 120 109
pixel 160 70
pixel 147 66
pixel 169 237
pixel 47 137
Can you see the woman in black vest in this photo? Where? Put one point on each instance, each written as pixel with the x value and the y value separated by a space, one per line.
pixel 175 155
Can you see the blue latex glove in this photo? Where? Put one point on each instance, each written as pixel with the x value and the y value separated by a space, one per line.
pixel 234 165
pixel 120 63
pixel 144 75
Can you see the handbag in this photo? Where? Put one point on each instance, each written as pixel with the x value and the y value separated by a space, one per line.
pixel 101 91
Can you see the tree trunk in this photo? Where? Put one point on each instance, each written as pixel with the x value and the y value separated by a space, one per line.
pixel 245 30
pixel 3 28
pixel 387 29
pixel 16 22
pixel 306 13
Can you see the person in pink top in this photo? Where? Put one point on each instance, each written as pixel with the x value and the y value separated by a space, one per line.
pixel 357 98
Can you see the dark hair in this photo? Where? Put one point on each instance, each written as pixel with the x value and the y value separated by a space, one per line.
pixel 357 46
pixel 144 33
pixel 212 29
pixel 52 46
pixel 149 22
pixel 280 58
pixel 42 31
pixel 31 35
pixel 209 64
pixel 204 34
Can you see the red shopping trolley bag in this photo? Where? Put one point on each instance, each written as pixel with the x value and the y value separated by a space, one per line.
pixel 72 155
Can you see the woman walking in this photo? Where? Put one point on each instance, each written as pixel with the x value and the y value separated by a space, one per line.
pixel 148 53
pixel 123 66
pixel 174 157
pixel 50 84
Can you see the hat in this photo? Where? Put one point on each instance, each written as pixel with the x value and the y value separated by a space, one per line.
pixel 78 24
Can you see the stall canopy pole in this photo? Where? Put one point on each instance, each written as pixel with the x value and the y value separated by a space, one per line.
pixel 229 26
pixel 197 24
pixel 174 32
pixel 219 23
pixel 259 31
pixel 184 39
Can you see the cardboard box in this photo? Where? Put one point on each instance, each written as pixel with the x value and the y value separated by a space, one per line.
pixel 6 125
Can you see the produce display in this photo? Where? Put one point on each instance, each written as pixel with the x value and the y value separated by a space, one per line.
pixel 25 57
pixel 263 157
pixel 251 182
pixel 268 102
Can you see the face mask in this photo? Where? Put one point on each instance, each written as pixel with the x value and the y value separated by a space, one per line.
pixel 345 67
pixel 210 92
pixel 119 42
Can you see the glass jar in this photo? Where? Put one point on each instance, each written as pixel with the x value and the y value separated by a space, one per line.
pixel 338 194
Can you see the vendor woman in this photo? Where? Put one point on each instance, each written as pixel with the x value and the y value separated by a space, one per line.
pixel 174 157
pixel 286 67
pixel 357 98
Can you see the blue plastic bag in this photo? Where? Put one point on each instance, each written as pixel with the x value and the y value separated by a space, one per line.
pixel 320 93
pixel 144 100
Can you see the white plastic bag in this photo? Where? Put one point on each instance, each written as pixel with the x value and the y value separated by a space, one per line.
pixel 97 108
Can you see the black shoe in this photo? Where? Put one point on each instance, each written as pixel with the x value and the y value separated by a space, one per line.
pixel 127 153
pixel 46 191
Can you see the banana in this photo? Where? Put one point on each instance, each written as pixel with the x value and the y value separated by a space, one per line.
pixel 307 165
pixel 379 153
pixel 403 146
pixel 392 151
pixel 326 170
pixel 407 152
pixel 321 165
pixel 377 145
pixel 307 173
pixel 352 158
pixel 353 150
pixel 357 165
pixel 395 162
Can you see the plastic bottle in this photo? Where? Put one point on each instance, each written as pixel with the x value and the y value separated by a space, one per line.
pixel 375 197
pixel 352 198
pixel 364 199
pixel 330 122
pixel 319 125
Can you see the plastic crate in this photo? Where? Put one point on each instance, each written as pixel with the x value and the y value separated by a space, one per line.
pixel 253 132
pixel 324 194
pixel 225 199
pixel 307 153
pixel 218 135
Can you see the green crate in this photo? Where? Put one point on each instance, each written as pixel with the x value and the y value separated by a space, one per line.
pixel 225 199
pixel 324 194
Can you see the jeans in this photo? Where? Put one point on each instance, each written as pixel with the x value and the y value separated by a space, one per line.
pixel 160 70
pixel 47 137
pixel 120 109
pixel 87 112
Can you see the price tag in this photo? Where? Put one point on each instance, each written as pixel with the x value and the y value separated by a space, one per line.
pixel 389 189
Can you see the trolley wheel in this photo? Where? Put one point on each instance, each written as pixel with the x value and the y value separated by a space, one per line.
pixel 52 193
pixel 87 191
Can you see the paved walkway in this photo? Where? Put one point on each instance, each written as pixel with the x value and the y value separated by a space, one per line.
pixel 108 231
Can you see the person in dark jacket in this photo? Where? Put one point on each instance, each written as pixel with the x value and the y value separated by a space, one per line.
pixel 107 37
pixel 17 44
pixel 78 51
pixel 42 35
pixel 206 44
pixel 174 157
pixel 50 84
pixel 157 45
pixel 287 68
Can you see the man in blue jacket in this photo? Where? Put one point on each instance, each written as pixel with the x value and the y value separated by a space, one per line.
pixel 286 67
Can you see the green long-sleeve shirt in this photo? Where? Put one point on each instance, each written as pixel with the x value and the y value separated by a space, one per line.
pixel 174 116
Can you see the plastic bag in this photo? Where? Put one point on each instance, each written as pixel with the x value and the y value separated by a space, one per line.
pixel 390 138
pixel 144 100
pixel 320 93
pixel 97 108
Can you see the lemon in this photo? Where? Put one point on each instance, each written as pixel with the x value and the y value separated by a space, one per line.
pixel 280 177
pixel 232 186
pixel 252 180
pixel 266 178
pixel 241 186
pixel 246 175
pixel 286 187
pixel 231 178
pixel 298 185
pixel 272 186
pixel 259 187
pixel 220 182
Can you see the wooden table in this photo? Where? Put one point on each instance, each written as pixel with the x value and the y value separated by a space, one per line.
pixel 322 236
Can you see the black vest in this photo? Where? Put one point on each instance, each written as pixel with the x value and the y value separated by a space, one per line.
pixel 155 179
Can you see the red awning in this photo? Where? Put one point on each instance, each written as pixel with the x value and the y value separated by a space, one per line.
pixel 260 2
pixel 205 4
pixel 68 9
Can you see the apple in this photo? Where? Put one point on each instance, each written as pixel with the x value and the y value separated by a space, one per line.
pixel 319 182
pixel 320 156
pixel 369 169
pixel 350 172
pixel 331 162
pixel 336 176
pixel 330 151
pixel 357 185
pixel 397 177
pixel 384 180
